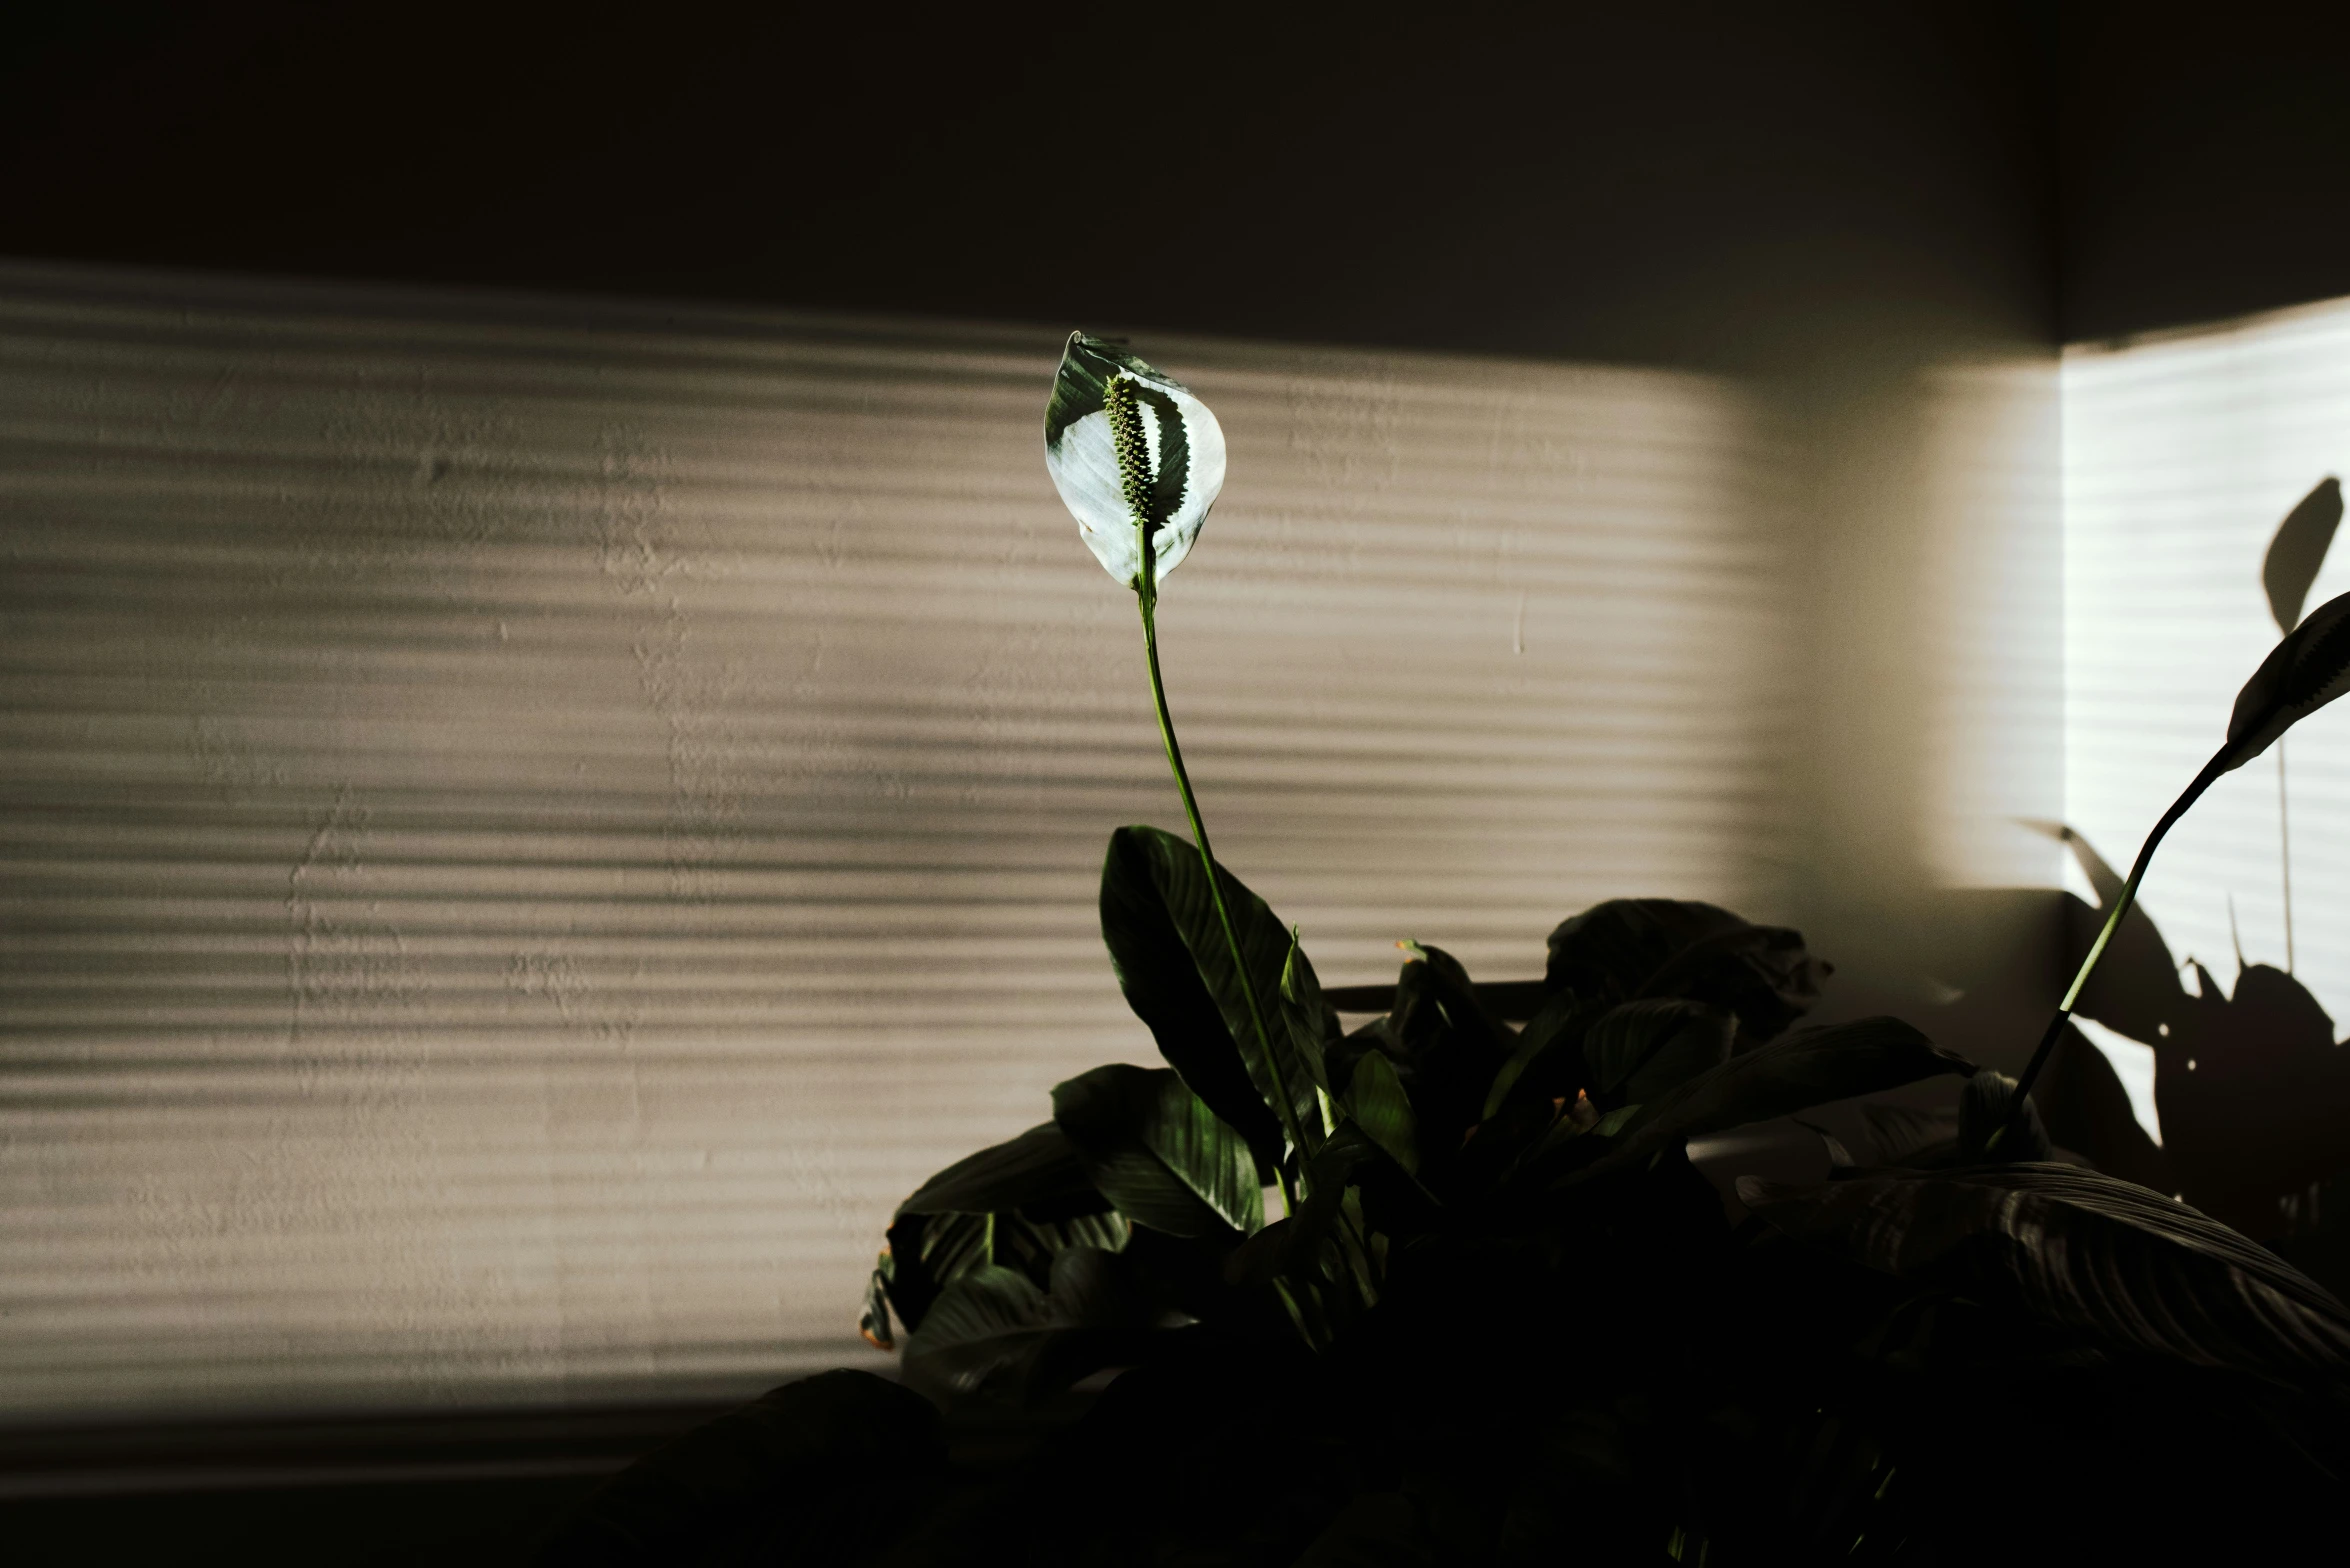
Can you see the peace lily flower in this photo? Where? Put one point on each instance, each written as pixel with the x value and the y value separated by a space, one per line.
pixel 1130 448
pixel 1135 457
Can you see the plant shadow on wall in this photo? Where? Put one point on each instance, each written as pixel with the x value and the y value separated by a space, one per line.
pixel 1501 1316
pixel 2251 1090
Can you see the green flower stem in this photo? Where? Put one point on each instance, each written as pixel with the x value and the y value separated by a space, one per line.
pixel 1147 596
pixel 1118 403
pixel 2121 909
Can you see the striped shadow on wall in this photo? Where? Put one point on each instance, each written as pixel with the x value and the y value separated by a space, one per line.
pixel 528 826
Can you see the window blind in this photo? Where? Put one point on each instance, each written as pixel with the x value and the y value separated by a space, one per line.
pixel 527 826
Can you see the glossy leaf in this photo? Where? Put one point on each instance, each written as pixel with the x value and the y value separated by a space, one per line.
pixel 1039 1166
pixel 1376 1101
pixel 1154 1149
pixel 2309 668
pixel 1311 1021
pixel 1176 969
pixel 2298 551
pixel 929 1252
pixel 1638 1051
pixel 994 1333
pixel 2083 1249
pixel 1632 949
pixel 1185 450
pixel 1794 1074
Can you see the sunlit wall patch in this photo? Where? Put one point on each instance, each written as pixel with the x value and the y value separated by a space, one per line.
pixel 2201 476
pixel 528 833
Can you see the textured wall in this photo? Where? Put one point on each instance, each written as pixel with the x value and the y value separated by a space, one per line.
pixel 527 827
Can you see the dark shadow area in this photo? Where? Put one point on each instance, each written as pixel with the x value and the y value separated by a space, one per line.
pixel 2252 1091
pixel 460 1489
pixel 2205 161
pixel 1686 183
pixel 452 1522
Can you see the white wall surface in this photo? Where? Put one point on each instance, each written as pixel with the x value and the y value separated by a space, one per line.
pixel 2182 454
pixel 526 828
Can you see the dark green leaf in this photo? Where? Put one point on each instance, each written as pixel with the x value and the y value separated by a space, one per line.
pixel 1985 1106
pixel 1444 1047
pixel 1375 1099
pixel 928 1252
pixel 2309 668
pixel 1154 1149
pixel 2082 1249
pixel 1779 1079
pixel 1512 1001
pixel 1312 1023
pixel 2299 550
pixel 874 1325
pixel 1638 1051
pixel 1908 1135
pixel 2088 1111
pixel 994 1334
pixel 1632 949
pixel 1176 969
pixel 1547 1063
pixel 1039 1166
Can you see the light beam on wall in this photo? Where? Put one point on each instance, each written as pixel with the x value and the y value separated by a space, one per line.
pixel 2182 456
pixel 525 829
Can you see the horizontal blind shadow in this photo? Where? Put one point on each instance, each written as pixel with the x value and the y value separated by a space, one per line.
pixel 527 828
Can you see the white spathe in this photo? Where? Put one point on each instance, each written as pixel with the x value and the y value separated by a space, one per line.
pixel 1082 458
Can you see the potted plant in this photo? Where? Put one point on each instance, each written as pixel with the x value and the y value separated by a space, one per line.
pixel 1500 1317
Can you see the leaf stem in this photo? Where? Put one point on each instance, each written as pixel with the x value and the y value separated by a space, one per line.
pixel 1146 595
pixel 2285 851
pixel 2113 920
pixel 1118 402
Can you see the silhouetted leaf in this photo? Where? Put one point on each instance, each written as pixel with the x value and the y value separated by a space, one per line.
pixel 2299 550
pixel 1547 1060
pixel 2309 668
pixel 1905 1134
pixel 1176 969
pixel 1039 1166
pixel 993 1333
pixel 1375 1099
pixel 1290 1244
pixel 1632 949
pixel 2082 1249
pixel 1312 1027
pixel 1444 1046
pixel 928 1252
pixel 1512 1001
pixel 1637 1051
pixel 1779 1079
pixel 1154 1149
pixel 1986 1103
pixel 2087 1110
